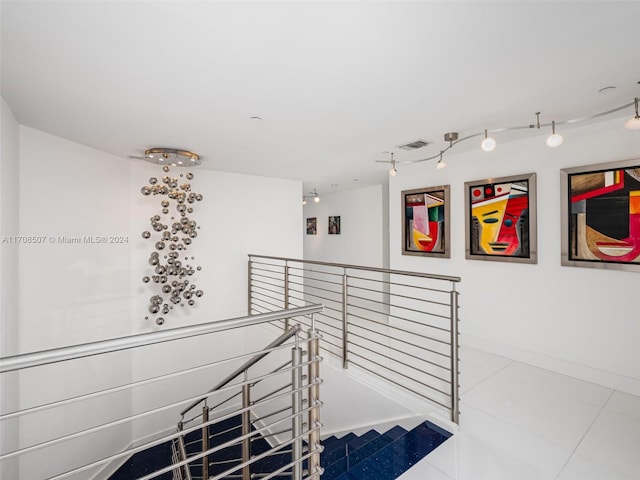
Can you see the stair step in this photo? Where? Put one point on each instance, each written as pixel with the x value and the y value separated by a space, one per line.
pixel 376 441
pixel 398 456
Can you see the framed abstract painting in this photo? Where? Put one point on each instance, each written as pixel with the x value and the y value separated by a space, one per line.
pixel 501 219
pixel 601 216
pixel 425 222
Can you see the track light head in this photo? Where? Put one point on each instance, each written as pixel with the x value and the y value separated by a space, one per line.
pixel 555 139
pixel 634 122
pixel 488 144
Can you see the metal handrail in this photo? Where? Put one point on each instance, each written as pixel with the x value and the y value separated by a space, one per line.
pixel 361 267
pixel 45 357
pixel 415 307
pixel 248 364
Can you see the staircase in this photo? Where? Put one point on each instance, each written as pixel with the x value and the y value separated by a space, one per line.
pixel 370 456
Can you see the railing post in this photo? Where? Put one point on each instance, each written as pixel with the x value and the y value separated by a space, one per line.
pixel 345 325
pixel 455 414
pixel 246 428
pixel 205 441
pixel 296 406
pixel 249 295
pixel 286 293
pixel 183 453
pixel 314 401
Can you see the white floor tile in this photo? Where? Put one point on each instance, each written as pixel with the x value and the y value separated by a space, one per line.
pixel 550 415
pixel 466 457
pixel 571 387
pixel 471 375
pixel 486 360
pixel 423 470
pixel 625 404
pixel 581 468
pixel 614 441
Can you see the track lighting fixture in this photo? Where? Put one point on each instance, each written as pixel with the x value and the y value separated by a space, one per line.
pixel 316 197
pixel 393 170
pixel 304 200
pixel 440 165
pixel 488 144
pixel 555 139
pixel 634 122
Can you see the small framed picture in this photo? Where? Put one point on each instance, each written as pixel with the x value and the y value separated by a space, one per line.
pixel 334 225
pixel 425 225
pixel 601 216
pixel 501 219
pixel 312 226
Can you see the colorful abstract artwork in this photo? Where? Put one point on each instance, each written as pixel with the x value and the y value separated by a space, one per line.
pixel 312 226
pixel 602 215
pixel 425 229
pixel 501 219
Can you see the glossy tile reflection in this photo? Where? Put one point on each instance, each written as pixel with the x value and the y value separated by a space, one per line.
pixel 526 423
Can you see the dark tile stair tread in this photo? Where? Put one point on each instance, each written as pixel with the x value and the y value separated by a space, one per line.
pixel 362 439
pixel 398 456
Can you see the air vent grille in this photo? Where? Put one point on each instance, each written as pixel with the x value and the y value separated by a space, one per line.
pixel 414 145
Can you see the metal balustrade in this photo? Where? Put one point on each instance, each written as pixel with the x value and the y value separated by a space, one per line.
pixel 400 326
pixel 277 400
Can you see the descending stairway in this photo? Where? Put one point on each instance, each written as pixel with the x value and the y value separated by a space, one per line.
pixel 370 456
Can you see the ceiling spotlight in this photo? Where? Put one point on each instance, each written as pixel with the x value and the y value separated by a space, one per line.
pixel 316 197
pixel 172 156
pixel 555 139
pixel 440 165
pixel 634 122
pixel 488 144
pixel 393 170
pixel 304 200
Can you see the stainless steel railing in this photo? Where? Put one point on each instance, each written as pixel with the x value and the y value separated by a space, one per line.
pixel 400 326
pixel 268 401
pixel 260 377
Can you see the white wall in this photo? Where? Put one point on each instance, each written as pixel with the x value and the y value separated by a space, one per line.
pixel 76 293
pixel 363 239
pixel 579 321
pixel 9 226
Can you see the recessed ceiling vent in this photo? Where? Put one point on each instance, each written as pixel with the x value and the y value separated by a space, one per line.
pixel 414 145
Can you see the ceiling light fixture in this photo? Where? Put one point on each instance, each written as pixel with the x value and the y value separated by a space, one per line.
pixel 555 139
pixel 440 165
pixel 316 197
pixel 171 156
pixel 488 144
pixel 634 122
pixel 304 200
pixel 393 170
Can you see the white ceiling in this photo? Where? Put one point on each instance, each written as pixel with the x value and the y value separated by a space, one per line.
pixel 336 83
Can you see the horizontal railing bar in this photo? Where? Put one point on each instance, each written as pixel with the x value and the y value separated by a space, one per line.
pixel 308 280
pixel 306 287
pixel 277 342
pixel 29 360
pixel 396 284
pixel 262 417
pixel 107 391
pixel 400 384
pixel 258 400
pixel 221 447
pixel 402 308
pixel 395 295
pixel 260 295
pixel 404 319
pixel 404 353
pixel 363 268
pixel 258 277
pixel 311 270
pixel 395 371
pixel 404 341
pixel 121 421
pixel 256 299
pixel 273 434
pixel 167 438
pixel 258 269
pixel 309 294
pixel 261 286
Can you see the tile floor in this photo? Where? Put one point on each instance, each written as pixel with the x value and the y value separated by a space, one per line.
pixel 520 422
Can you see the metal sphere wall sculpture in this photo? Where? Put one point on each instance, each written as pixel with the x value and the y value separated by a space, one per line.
pixel 171 234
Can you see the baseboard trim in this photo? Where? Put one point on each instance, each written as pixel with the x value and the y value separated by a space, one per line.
pixel 587 373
